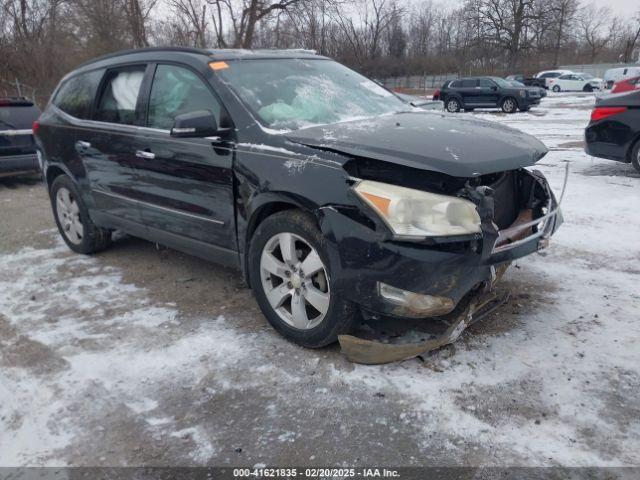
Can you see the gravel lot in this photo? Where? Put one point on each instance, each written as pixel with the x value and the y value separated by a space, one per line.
pixel 145 356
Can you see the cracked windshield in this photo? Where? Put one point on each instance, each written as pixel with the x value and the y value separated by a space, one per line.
pixel 288 94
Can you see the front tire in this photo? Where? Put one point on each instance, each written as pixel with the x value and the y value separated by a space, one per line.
pixel 587 88
pixel 509 105
pixel 291 280
pixel 556 88
pixel 453 105
pixel 72 218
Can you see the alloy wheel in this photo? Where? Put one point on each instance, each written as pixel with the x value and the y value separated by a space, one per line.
pixel 452 106
pixel 295 281
pixel 509 105
pixel 68 212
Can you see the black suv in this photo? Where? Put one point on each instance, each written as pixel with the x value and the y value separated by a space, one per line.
pixel 17 149
pixel 487 92
pixel 333 196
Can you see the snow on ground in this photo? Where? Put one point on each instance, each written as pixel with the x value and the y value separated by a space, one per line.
pixel 96 370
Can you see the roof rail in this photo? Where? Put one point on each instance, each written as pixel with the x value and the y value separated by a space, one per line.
pixel 131 51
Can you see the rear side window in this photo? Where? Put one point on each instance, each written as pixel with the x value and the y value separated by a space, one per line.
pixel 18 117
pixel 454 84
pixel 468 83
pixel 119 96
pixel 76 95
pixel 176 91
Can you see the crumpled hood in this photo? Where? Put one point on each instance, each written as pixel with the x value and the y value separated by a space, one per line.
pixel 447 143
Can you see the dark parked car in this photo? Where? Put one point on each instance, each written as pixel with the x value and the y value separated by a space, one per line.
pixel 486 92
pixel 516 83
pixel 17 149
pixel 528 81
pixel 614 129
pixel 330 194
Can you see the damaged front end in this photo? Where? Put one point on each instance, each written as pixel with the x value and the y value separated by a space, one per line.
pixel 454 279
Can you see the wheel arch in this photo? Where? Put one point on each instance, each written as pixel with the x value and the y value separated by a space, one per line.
pixel 455 96
pixel 53 171
pixel 635 141
pixel 268 205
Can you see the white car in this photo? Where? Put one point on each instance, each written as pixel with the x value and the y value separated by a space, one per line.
pixel 614 75
pixel 548 75
pixel 575 82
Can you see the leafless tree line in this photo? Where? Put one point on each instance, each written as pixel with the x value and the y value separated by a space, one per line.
pixel 40 40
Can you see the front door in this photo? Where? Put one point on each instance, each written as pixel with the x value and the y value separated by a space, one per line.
pixel 488 92
pixel 185 185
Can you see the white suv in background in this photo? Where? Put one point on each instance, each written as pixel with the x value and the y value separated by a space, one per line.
pixel 551 74
pixel 614 75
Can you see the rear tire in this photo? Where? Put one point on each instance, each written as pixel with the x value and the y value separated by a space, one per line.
pixel 556 88
pixel 587 88
pixel 72 218
pixel 635 156
pixel 299 303
pixel 509 105
pixel 452 105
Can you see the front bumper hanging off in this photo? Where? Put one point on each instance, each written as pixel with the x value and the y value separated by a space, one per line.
pixel 368 352
pixel 523 233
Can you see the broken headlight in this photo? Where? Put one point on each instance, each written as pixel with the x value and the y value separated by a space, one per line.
pixel 416 214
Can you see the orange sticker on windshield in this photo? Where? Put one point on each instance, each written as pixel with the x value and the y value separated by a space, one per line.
pixel 218 65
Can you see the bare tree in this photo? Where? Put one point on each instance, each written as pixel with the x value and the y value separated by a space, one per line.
pixel 563 14
pixel 594 26
pixel 137 13
pixel 192 16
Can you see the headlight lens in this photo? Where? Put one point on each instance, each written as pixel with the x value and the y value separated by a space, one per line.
pixel 523 93
pixel 418 214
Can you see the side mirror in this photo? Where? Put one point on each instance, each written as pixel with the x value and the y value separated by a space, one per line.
pixel 200 123
pixel 494 88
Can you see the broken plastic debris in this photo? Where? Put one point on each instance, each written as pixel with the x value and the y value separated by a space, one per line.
pixel 369 352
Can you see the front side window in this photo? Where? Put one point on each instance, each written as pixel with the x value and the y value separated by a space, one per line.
pixel 176 91
pixel 292 93
pixel 500 81
pixel 486 83
pixel 76 94
pixel 120 96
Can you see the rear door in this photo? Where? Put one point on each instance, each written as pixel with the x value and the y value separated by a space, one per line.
pixel 107 144
pixel 185 184
pixel 468 91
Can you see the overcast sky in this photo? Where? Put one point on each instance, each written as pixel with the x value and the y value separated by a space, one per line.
pixel 623 7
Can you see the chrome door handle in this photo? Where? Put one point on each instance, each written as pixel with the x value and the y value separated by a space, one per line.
pixel 83 144
pixel 146 155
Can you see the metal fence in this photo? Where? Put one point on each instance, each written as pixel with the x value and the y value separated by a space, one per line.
pixel 418 82
pixel 597 69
